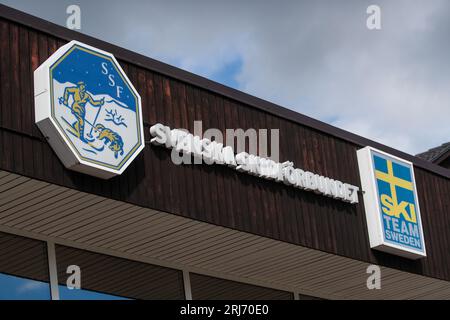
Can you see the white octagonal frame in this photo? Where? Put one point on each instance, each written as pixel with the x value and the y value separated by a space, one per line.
pixel 64 149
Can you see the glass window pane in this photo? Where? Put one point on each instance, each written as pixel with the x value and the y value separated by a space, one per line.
pixel 108 277
pixel 79 294
pixel 15 288
pixel 23 268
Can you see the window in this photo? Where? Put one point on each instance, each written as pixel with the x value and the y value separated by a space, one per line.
pixel 80 294
pixel 24 275
pixel 111 278
pixel 23 269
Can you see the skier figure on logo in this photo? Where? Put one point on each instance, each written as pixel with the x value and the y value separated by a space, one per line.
pixel 80 98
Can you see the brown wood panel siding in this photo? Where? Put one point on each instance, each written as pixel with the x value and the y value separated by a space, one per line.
pixel 120 277
pixel 209 288
pixel 23 257
pixel 215 194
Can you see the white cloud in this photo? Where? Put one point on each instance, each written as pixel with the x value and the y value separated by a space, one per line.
pixel 29 286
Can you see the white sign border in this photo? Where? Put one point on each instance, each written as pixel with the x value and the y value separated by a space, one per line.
pixel 52 132
pixel 372 206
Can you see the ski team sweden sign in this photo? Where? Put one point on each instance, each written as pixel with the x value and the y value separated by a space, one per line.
pixel 391 204
pixel 89 111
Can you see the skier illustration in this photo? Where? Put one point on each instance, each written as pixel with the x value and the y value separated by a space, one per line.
pixel 78 107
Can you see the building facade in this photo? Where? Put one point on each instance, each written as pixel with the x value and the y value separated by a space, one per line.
pixel 160 230
pixel 438 155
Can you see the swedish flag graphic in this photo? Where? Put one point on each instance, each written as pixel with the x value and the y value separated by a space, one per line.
pixel 398 204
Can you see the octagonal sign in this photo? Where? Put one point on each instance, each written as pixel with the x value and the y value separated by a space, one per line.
pixel 89 111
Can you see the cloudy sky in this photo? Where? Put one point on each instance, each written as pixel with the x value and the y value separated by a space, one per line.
pixel 315 57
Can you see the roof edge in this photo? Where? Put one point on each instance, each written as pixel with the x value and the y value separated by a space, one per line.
pixel 199 81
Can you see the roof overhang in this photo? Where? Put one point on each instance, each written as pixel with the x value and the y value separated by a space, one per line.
pixel 49 212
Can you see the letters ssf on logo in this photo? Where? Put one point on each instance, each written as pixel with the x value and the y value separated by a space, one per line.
pixel 391 204
pixel 89 111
